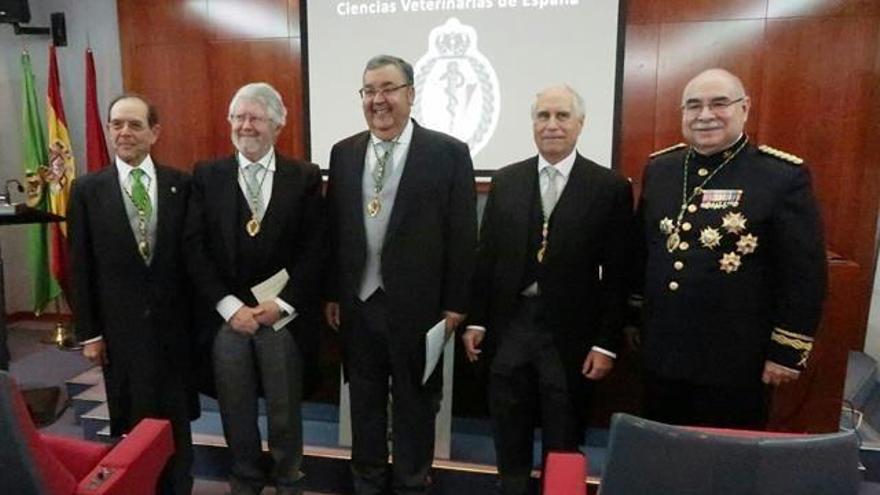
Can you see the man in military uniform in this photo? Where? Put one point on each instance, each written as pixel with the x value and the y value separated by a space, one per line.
pixel 735 267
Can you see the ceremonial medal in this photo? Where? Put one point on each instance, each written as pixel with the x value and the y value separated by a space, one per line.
pixel 144 249
pixel 254 191
pixel 373 207
pixel 672 242
pixel 545 233
pixel 253 227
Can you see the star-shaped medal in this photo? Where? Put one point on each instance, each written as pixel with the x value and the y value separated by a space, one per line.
pixel 710 237
pixel 730 262
pixel 747 244
pixel 733 223
pixel 666 225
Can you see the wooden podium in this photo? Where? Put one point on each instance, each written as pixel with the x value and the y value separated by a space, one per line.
pixel 16 215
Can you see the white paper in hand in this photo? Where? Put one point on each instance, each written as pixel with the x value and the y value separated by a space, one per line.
pixel 268 290
pixel 435 340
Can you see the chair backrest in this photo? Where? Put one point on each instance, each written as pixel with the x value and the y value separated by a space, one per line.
pixel 27 467
pixel 646 457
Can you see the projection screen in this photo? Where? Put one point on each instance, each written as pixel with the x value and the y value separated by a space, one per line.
pixel 478 65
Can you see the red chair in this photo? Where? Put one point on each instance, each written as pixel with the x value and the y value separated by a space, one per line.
pixel 33 463
pixel 565 473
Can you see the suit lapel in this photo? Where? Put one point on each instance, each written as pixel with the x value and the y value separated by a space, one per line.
pixel 355 191
pixel 525 213
pixel 576 200
pixel 227 181
pixel 415 157
pixel 283 183
pixel 120 227
pixel 163 207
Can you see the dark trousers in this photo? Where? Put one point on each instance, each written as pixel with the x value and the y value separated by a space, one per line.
pixel 413 407
pixel 243 364
pixel 684 403
pixel 163 397
pixel 526 379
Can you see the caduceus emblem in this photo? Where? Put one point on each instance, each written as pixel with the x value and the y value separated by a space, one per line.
pixel 457 90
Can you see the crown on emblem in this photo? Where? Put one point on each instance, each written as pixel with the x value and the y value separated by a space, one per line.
pixel 453 43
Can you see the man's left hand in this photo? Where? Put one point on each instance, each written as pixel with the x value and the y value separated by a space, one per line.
pixel 776 375
pixel 267 313
pixel 453 320
pixel 597 365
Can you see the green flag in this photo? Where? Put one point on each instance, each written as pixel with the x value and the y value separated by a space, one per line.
pixel 35 153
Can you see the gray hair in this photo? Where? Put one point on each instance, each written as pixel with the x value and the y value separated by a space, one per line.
pixel 264 94
pixel 577 102
pixel 402 65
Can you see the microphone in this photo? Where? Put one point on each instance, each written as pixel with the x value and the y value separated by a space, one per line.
pixel 6 197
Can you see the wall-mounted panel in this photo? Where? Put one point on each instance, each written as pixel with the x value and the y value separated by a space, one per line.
pixel 812 8
pixel 176 82
pixel 639 98
pixel 254 19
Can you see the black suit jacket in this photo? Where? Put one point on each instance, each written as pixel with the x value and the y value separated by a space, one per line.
pixel 142 312
pixel 293 226
pixel 430 245
pixel 590 229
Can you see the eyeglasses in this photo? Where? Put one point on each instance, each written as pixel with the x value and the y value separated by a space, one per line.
pixel 370 93
pixel 241 118
pixel 694 108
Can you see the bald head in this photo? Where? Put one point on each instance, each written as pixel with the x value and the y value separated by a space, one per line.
pixel 715 108
pixel 715 76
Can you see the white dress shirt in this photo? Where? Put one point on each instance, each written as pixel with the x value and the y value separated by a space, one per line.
pixel 230 304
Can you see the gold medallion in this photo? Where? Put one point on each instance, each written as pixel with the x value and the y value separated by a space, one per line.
pixel 373 207
pixel 672 241
pixel 144 249
pixel 253 227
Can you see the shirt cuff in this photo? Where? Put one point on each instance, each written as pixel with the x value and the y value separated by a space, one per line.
pixel 478 328
pixel 786 368
pixel 287 308
pixel 228 306
pixel 92 340
pixel 608 353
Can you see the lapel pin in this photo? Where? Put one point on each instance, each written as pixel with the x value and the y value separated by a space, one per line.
pixel 173 189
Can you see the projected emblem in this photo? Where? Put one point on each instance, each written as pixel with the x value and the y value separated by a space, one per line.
pixel 456 87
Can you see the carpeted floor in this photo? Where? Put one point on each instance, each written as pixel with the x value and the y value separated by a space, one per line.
pixel 35 365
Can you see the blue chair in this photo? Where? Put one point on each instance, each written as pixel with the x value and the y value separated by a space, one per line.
pixel 650 458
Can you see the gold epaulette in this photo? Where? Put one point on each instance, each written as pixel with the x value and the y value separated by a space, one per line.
pixel 782 155
pixel 667 150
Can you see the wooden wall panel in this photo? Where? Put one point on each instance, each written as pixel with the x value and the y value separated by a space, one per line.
pixel 831 96
pixel 162 21
pixel 800 8
pixel 639 99
pixel 180 97
pixel 190 56
pixel 708 10
pixel 254 19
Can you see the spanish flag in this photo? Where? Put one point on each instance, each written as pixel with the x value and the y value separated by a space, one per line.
pixel 34 151
pixel 59 174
